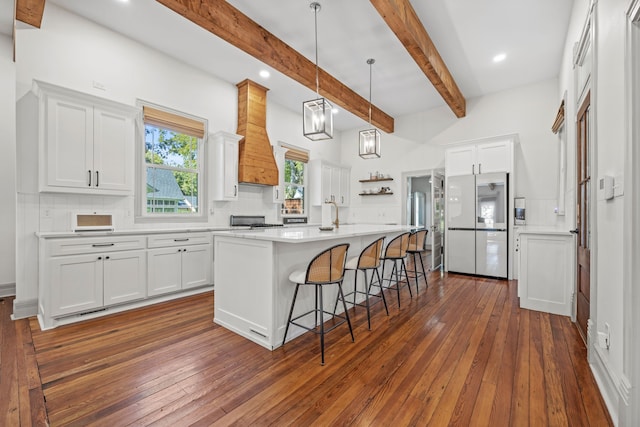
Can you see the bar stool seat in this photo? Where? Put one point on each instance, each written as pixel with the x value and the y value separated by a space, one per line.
pixel 396 252
pixel 415 249
pixel 369 259
pixel 326 268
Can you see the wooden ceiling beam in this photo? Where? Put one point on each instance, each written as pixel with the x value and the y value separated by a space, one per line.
pixel 231 25
pixel 404 22
pixel 30 11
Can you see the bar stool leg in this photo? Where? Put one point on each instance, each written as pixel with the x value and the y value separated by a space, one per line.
pixel 424 272
pixel 366 290
pixel 346 313
pixel 415 270
pixel 395 270
pixel 286 329
pixel 384 300
pixel 406 276
pixel 319 290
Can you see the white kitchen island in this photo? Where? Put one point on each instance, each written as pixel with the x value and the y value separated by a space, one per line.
pixel 251 275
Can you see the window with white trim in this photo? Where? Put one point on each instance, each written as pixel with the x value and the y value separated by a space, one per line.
pixel 173 166
pixel 295 169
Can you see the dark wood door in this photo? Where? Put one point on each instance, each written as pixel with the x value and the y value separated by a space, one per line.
pixel 583 219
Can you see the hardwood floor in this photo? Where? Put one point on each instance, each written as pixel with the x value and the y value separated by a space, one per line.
pixel 460 353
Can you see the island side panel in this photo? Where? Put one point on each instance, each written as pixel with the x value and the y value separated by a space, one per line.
pixel 243 295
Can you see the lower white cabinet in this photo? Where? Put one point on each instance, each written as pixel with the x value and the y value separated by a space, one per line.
pixel 546 277
pixel 83 282
pixel 82 276
pixel 184 262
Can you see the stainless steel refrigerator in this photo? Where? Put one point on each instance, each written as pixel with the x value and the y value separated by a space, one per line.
pixel 477 224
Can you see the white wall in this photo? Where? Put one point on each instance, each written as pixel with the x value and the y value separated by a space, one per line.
pixel 608 103
pixel 419 141
pixel 7 165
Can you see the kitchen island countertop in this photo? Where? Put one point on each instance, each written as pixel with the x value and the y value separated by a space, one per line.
pixel 314 234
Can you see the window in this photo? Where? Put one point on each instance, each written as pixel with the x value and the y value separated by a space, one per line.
pixel 295 167
pixel 173 165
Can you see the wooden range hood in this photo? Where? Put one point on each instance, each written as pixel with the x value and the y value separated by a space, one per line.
pixel 256 162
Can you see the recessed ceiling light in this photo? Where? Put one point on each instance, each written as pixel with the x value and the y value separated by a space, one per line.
pixel 264 74
pixel 500 57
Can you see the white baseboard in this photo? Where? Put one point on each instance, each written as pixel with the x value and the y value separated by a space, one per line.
pixel 24 309
pixel 610 385
pixel 7 289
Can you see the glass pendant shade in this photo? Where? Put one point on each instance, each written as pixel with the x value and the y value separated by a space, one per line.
pixel 369 144
pixel 318 119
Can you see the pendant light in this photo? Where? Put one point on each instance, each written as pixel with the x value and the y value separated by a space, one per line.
pixel 370 138
pixel 317 114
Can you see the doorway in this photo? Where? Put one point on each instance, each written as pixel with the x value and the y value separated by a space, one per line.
pixel 424 208
pixel 583 219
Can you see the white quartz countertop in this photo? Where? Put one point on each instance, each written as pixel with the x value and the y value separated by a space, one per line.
pixel 58 234
pixel 313 234
pixel 542 229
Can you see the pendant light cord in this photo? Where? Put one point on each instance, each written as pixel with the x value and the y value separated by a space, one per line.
pixel 316 6
pixel 370 61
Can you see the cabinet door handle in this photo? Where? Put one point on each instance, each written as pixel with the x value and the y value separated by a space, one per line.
pixel 181 240
pixel 97 179
pixel 235 190
pixel 277 193
pixel 102 245
pixel 479 167
pixel 99 258
pixel 106 257
pixel 342 199
pixel 89 177
pixel 473 169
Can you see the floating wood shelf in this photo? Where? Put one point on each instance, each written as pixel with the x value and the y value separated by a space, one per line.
pixel 376 180
pixel 376 194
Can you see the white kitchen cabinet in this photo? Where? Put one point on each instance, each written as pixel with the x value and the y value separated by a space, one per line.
pixel 329 182
pixel 275 194
pixel 547 271
pixel 75 142
pixel 224 161
pixel 76 284
pixel 179 261
pixel 86 274
pixel 478 158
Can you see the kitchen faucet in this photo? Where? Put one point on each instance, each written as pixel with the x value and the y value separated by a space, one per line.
pixel 333 202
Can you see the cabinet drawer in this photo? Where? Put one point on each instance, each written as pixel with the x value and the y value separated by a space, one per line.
pixel 87 245
pixel 179 239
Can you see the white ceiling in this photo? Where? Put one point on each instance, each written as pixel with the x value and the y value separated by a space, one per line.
pixel 468 34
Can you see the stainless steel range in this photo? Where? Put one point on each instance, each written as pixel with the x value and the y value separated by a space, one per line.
pixel 250 221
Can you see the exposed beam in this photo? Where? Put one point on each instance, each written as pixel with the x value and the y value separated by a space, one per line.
pixel 30 11
pixel 231 25
pixel 404 22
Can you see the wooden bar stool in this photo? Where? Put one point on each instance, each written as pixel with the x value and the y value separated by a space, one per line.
pixel 327 268
pixel 369 259
pixel 416 249
pixel 396 252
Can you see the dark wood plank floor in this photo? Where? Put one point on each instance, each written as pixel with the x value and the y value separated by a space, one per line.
pixel 460 353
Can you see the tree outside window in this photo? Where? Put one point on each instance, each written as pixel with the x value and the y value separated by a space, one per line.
pixel 172 172
pixel 294 187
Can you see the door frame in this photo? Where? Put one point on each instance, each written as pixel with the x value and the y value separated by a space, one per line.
pixel 629 414
pixel 417 174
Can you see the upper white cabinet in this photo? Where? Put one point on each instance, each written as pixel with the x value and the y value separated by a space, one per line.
pixel 275 194
pixel 75 143
pixel 225 165
pixel 479 158
pixel 329 182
